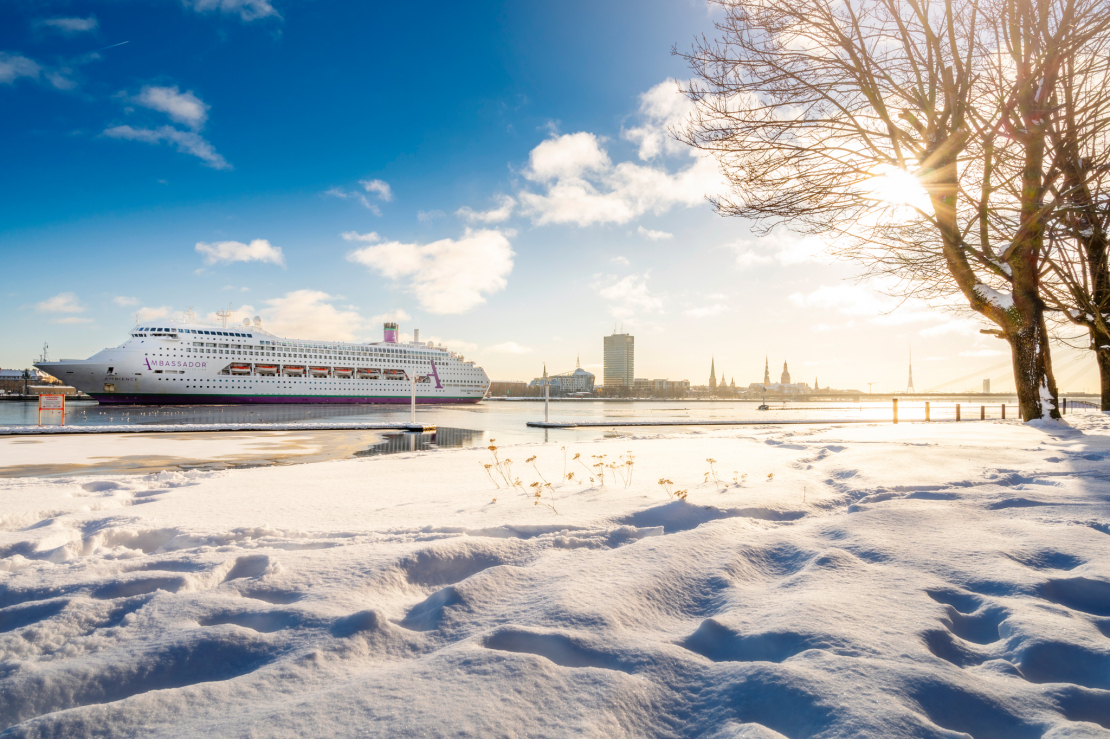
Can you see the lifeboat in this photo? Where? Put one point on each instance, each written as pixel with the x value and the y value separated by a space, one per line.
pixel 394 374
pixel 293 370
pixel 368 373
pixel 240 369
pixel 265 369
pixel 343 371
pixel 319 371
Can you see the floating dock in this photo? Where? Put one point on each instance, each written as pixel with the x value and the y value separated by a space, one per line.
pixel 180 428
pixel 586 424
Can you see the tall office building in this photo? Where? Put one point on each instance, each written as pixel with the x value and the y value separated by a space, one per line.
pixel 620 354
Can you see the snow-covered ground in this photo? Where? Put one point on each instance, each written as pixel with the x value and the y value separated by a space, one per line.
pixel 920 580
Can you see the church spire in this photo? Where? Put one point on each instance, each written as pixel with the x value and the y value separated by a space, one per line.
pixel 712 372
pixel 766 370
pixel 578 361
pixel 909 386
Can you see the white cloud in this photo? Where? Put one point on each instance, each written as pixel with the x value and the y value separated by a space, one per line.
pixel 705 311
pixel 183 107
pixel 570 156
pixel 149 314
pixel 647 233
pixel 630 296
pixel 581 186
pixel 397 316
pixel 71 319
pixel 69 26
pixel 785 247
pixel 14 66
pixel 959 326
pixel 447 276
pixel 259 250
pixel 187 142
pixel 339 192
pixel 502 212
pixel 749 259
pixel 60 303
pixel 123 301
pixel 860 300
pixel 248 10
pixel 310 314
pixel 662 107
pixel 429 215
pixel 369 238
pixel 379 187
pixel 621 261
pixel 981 353
pixel 508 347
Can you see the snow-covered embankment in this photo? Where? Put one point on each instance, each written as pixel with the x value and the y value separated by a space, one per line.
pixel 919 580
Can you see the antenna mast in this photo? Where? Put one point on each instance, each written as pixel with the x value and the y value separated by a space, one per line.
pixel 225 314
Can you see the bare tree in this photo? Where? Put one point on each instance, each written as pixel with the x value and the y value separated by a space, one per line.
pixel 1078 279
pixel 823 115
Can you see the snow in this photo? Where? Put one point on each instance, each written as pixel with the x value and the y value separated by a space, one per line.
pixel 918 580
pixel 1005 301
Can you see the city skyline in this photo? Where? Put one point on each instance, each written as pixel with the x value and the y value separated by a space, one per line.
pixel 143 178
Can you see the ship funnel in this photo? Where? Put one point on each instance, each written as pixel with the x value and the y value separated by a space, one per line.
pixel 416 336
pixel 390 333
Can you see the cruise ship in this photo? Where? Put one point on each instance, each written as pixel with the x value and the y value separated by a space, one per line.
pixel 184 362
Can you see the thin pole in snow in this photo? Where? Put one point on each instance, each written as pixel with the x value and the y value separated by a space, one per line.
pixel 413 378
pixel 546 397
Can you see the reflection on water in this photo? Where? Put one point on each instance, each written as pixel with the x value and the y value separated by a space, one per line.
pixel 506 421
pixel 441 438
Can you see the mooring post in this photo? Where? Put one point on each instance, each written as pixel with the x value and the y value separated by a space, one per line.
pixel 982 413
pixel 1064 407
pixel 957 411
pixel 927 411
pixel 413 377
pixel 1003 411
pixel 546 402
pixel 896 410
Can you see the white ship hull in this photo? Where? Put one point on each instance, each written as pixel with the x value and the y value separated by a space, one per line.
pixel 187 364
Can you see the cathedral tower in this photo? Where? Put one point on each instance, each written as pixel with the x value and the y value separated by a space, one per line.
pixel 766 371
pixel 785 374
pixel 712 374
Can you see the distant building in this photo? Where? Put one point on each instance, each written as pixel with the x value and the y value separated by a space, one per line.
pixel 509 389
pixel 712 373
pixel 784 386
pixel 644 386
pixel 578 381
pixel 619 360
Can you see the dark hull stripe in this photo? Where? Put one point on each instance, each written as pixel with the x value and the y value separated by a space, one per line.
pixel 215 399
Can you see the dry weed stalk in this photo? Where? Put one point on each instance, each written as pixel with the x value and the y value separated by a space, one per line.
pixel 532 460
pixel 712 474
pixel 537 494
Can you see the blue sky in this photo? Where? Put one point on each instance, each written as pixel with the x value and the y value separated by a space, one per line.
pixel 498 175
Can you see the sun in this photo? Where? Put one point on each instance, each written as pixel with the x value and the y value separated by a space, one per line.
pixel 898 187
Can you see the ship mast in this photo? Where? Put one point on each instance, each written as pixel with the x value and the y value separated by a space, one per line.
pixel 225 314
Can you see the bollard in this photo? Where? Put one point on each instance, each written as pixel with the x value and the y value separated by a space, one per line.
pixel 896 410
pixel 1003 411
pixel 926 410
pixel 957 411
pixel 982 413
pixel 1064 409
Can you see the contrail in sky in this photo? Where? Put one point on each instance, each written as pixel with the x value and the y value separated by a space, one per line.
pixel 121 43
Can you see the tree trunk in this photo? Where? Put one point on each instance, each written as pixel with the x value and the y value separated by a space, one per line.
pixel 1102 356
pixel 1036 386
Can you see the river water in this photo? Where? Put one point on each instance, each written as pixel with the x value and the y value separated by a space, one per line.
pixel 470 425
